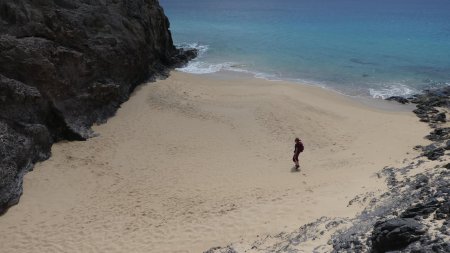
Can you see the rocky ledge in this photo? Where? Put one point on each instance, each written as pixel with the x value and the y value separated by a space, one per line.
pixel 68 64
pixel 413 215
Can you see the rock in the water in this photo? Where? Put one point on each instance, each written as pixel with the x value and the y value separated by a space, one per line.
pixel 395 234
pixel 398 99
pixel 65 65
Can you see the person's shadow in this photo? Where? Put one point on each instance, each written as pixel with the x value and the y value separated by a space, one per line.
pixel 294 170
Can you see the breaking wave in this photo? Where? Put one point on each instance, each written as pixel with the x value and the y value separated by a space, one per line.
pixel 395 89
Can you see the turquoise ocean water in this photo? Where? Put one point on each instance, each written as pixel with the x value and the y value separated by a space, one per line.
pixel 358 47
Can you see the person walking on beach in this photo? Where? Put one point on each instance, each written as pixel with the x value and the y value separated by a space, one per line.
pixel 298 148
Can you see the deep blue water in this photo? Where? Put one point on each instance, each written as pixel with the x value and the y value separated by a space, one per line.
pixel 358 47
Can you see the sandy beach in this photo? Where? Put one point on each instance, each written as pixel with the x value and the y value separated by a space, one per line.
pixel 193 162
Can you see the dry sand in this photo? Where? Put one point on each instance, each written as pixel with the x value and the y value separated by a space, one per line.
pixel 193 162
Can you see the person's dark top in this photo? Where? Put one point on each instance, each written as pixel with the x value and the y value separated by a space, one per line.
pixel 298 148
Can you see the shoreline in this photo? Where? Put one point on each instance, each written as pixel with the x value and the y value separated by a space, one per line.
pixel 155 179
pixel 235 69
pixel 371 102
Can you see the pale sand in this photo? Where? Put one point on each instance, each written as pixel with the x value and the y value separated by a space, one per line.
pixel 193 162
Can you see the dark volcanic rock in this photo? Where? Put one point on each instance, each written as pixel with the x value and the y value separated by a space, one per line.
pixel 399 99
pixel 447 145
pixel 443 212
pixel 221 250
pixel 395 234
pixel 434 154
pixel 65 65
pixel 421 210
pixel 434 151
pixel 439 134
pixel 428 104
pixel 420 181
pixel 20 147
pixel 440 117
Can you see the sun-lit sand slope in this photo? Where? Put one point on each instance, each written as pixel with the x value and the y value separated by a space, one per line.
pixel 195 162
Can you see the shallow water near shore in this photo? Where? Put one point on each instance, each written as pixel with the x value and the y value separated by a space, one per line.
pixel 366 48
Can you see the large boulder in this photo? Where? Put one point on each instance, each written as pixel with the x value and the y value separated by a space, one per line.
pixel 65 65
pixel 395 234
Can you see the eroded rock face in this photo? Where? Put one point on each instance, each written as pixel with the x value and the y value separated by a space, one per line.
pixel 65 65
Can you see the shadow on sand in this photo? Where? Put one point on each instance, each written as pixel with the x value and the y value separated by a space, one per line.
pixel 293 169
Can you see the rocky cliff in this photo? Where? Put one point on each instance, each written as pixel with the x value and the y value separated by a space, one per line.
pixel 67 64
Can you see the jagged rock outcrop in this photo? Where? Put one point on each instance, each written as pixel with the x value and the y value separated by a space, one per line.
pixel 65 65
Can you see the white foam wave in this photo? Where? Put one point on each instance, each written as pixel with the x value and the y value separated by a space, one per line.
pixel 266 76
pixel 397 89
pixel 198 67
pixel 202 49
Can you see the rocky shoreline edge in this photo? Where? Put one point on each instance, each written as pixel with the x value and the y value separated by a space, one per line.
pixel 66 65
pixel 413 215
